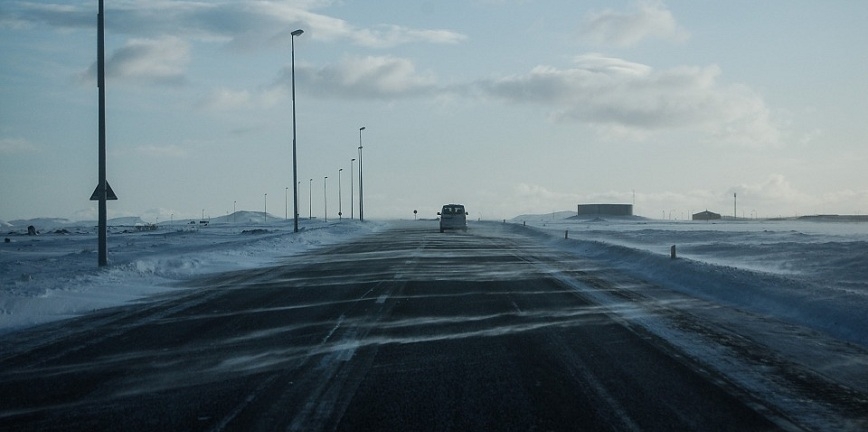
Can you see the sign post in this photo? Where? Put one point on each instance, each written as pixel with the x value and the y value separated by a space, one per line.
pixel 103 191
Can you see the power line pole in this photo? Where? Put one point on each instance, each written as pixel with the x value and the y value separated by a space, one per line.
pixel 734 205
pixel 361 187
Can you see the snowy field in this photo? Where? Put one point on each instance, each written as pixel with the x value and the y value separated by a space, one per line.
pixel 54 275
pixel 812 273
pixel 798 287
pixel 809 273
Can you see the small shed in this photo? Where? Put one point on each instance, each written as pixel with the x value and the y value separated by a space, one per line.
pixel 706 215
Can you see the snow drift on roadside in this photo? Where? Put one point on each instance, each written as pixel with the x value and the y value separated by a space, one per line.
pixel 54 275
pixel 807 273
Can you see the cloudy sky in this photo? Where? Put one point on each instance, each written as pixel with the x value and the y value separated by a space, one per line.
pixel 507 106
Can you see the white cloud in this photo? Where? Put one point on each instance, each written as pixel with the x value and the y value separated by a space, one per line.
pixel 647 19
pixel 383 77
pixel 224 99
pixel 529 191
pixel 776 196
pixel 392 35
pixel 810 136
pixel 156 60
pixel 630 98
pixel 243 25
pixel 160 61
pixel 846 201
pixel 771 197
pixel 775 190
pixel 279 19
pixel 20 15
pixel 10 146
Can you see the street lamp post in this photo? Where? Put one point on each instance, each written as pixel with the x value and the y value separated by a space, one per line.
pixel 310 199
pixel 294 158
pixel 361 180
pixel 285 203
pixel 340 196
pixel 325 198
pixel 265 210
pixel 352 190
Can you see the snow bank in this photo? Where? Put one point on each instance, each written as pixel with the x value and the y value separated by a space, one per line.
pixel 54 275
pixel 804 272
pixel 809 273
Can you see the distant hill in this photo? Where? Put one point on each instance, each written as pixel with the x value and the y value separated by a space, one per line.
pixel 570 215
pixel 246 217
pixel 121 221
pixel 835 218
pixel 45 224
pixel 41 223
pixel 553 216
pixel 55 223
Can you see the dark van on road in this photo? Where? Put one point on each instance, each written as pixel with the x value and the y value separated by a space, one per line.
pixel 453 216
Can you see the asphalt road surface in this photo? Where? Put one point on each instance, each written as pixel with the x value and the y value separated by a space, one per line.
pixel 408 330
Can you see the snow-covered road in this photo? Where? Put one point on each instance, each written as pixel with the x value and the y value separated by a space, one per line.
pixel 468 290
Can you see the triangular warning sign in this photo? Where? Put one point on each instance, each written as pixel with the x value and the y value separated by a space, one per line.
pixel 110 194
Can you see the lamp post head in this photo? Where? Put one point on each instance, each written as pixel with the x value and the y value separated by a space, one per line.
pixel 353 160
pixel 362 128
pixel 297 32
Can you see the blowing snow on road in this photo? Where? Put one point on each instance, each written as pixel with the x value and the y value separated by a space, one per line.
pixel 400 327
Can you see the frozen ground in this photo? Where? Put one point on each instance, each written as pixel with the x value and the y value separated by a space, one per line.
pixel 771 305
pixel 754 300
pixel 809 273
pixel 54 275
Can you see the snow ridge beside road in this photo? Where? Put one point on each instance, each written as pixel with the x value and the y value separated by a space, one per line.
pixel 55 276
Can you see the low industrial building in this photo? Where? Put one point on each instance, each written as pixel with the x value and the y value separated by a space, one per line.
pixel 706 215
pixel 605 210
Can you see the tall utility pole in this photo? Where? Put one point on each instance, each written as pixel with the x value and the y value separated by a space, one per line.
pixel 352 189
pixel 294 158
pixel 325 198
pixel 361 187
pixel 103 191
